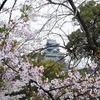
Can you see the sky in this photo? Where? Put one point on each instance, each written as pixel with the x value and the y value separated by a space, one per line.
pixel 38 22
pixel 67 28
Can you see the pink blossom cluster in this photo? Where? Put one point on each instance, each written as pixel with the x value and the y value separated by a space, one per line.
pixel 73 85
pixel 18 72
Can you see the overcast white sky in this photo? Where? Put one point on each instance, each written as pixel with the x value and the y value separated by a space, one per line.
pixel 68 27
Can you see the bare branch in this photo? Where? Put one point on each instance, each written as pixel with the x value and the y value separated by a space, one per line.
pixel 32 81
pixel 2 5
pixel 92 46
pixel 11 11
pixel 10 66
pixel 61 4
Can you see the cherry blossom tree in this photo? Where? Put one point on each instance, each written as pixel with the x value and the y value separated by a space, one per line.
pixel 21 80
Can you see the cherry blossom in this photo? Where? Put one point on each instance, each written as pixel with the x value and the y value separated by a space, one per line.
pixel 21 78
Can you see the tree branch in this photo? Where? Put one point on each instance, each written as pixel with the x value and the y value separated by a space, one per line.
pixel 12 10
pixel 51 2
pixel 2 5
pixel 79 18
pixel 32 81
pixel 10 67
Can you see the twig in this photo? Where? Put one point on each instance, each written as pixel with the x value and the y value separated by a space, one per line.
pixel 12 10
pixel 2 5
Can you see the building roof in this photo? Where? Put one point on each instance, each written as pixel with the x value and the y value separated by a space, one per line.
pixel 52 50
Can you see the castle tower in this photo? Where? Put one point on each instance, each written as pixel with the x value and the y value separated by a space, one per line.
pixel 52 51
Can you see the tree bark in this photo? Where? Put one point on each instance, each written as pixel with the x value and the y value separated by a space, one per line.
pixel 2 5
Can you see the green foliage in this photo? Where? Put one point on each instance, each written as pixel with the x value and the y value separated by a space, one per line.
pixel 1 83
pixel 89 11
pixel 36 58
pixel 76 38
pixel 82 72
pixel 24 10
pixel 17 77
pixel 25 16
pixel 15 42
pixel 2 29
pixel 98 51
pixel 28 7
pixel 78 44
pixel 51 68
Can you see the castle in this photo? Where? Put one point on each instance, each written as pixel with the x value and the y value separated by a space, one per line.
pixel 52 51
